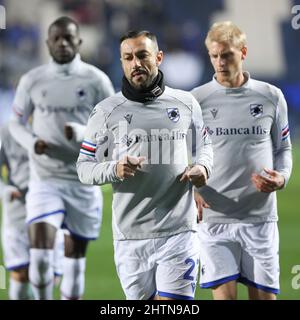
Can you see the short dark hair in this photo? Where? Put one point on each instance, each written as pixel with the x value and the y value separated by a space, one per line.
pixel 137 33
pixel 64 21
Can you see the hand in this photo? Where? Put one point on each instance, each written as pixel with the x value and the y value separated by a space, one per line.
pixel 128 166
pixel 11 193
pixel 196 174
pixel 40 147
pixel 15 195
pixel 200 204
pixel 268 181
pixel 68 132
pixel 74 131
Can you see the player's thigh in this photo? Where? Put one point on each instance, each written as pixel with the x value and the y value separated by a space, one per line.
pixel 20 275
pixel 220 254
pixel 260 257
pixel 177 266
pixel 44 204
pixel 136 268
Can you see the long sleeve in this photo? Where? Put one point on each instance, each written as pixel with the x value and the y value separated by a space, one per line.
pixel 92 167
pixel 22 107
pixel 3 162
pixel 281 140
pixel 105 88
pixel 202 152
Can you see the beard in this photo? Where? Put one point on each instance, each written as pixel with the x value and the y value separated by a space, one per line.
pixel 143 83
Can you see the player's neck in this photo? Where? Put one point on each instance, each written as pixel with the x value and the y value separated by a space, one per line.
pixel 234 82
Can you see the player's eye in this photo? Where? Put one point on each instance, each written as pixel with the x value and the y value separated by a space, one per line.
pixel 68 37
pixel 142 56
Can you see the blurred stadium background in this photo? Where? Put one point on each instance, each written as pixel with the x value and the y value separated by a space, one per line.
pixel 181 27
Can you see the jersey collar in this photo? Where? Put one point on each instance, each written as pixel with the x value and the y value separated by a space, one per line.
pixel 66 68
pixel 246 85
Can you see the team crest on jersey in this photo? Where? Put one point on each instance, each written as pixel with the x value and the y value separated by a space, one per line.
pixel 173 114
pixel 81 94
pixel 214 112
pixel 256 110
pixel 128 117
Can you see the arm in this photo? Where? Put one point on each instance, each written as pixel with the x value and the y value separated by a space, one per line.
pixel 92 167
pixel 202 152
pixel 281 141
pixel 3 162
pixel 274 179
pixel 23 108
pixel 6 191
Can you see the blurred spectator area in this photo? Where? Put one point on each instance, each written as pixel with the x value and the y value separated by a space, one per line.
pixel 181 28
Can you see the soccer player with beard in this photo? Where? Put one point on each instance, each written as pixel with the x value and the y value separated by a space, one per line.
pixel 138 140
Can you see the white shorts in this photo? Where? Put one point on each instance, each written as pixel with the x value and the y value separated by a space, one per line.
pixel 15 240
pixel 165 266
pixel 244 252
pixel 70 205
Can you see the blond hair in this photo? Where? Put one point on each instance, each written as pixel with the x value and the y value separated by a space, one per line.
pixel 226 32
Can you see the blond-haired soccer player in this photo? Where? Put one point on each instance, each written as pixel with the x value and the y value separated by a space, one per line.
pixel 248 123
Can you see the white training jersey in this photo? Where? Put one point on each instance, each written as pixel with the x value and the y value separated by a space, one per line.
pixel 153 203
pixel 55 94
pixel 249 131
pixel 15 158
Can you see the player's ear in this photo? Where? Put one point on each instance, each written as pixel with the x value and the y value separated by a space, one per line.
pixel 159 58
pixel 244 52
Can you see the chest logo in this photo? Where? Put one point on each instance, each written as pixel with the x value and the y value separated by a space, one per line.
pixel 81 94
pixel 256 110
pixel 214 112
pixel 128 117
pixel 173 114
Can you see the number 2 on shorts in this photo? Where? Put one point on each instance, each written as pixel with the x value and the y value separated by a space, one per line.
pixel 187 275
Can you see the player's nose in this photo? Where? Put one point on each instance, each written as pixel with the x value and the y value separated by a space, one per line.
pixel 62 42
pixel 136 62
